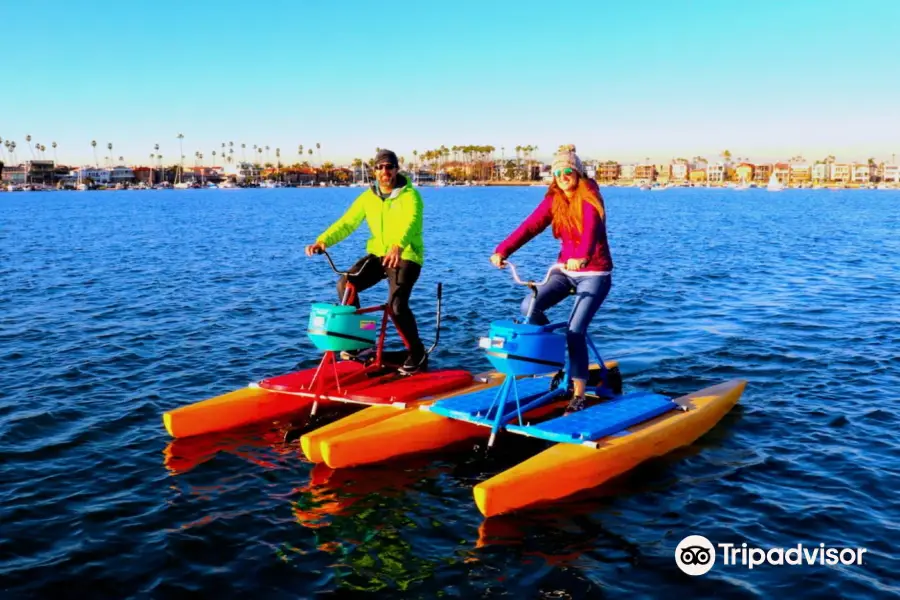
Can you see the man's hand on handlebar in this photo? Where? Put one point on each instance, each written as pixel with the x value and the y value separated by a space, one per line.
pixel 317 248
pixel 498 261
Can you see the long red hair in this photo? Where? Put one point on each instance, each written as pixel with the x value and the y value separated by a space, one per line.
pixel 567 212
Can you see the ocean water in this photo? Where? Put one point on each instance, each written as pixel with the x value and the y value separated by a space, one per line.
pixel 118 306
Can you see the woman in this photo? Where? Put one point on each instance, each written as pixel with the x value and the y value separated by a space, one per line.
pixel 574 207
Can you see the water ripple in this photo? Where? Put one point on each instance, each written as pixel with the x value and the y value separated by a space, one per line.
pixel 117 306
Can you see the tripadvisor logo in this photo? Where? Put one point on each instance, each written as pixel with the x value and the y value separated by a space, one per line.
pixel 696 555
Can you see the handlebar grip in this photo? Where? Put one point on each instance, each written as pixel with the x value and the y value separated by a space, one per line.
pixel 440 288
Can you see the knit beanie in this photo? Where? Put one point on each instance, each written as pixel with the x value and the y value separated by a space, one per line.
pixel 566 157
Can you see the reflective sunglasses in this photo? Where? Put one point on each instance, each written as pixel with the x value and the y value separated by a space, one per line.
pixel 566 171
pixel 384 167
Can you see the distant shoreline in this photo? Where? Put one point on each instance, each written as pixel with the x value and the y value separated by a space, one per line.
pixel 628 184
pixel 603 184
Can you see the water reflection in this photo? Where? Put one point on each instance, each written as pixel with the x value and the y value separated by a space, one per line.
pixel 252 443
pixel 367 521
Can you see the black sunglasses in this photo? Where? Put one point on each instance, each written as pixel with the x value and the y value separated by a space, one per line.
pixel 385 167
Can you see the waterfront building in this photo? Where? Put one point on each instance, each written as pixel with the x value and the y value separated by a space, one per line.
pixel 863 173
pixel 762 173
pixel 821 172
pixel 663 173
pixel 715 172
pixel 744 172
pixel 841 173
pixel 782 173
pixel 644 172
pixel 680 171
pixel 609 171
pixel 800 174
pixel 697 176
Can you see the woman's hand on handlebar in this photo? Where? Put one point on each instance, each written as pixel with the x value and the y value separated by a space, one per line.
pixel 498 261
pixel 317 248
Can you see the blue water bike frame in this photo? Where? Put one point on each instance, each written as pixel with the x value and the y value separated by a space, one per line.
pixel 501 411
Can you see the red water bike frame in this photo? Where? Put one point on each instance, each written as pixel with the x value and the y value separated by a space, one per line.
pixel 319 386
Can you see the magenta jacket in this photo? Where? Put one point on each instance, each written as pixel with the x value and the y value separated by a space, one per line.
pixel 591 244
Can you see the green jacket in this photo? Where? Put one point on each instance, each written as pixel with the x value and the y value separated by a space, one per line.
pixel 396 220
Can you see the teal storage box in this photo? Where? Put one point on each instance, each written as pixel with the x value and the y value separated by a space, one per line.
pixel 335 327
pixel 524 349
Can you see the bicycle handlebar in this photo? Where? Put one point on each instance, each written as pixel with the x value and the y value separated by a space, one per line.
pixel 334 268
pixel 529 283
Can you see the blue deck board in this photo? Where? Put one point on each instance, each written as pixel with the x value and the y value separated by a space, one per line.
pixel 478 403
pixel 601 420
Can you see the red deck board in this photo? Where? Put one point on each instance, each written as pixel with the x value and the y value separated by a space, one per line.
pixel 298 381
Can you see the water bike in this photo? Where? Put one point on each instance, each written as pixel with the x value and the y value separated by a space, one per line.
pixel 367 376
pixel 518 349
pixel 613 434
pixel 530 380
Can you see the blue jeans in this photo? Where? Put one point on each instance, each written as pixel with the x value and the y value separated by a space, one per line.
pixel 590 292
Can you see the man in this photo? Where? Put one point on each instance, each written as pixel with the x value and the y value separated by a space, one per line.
pixel 392 207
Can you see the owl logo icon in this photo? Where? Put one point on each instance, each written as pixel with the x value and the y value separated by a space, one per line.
pixel 695 555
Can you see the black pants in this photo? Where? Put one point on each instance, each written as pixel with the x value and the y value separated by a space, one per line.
pixel 401 280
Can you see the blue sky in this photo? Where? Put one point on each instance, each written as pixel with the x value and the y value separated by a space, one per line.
pixel 655 79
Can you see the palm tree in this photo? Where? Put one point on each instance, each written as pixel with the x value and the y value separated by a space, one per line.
pixel 319 151
pixel 28 140
pixel 267 154
pixel 530 149
pixel 94 146
pixel 109 147
pixel 243 152
pixel 518 167
pixel 180 137
pixel 55 158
